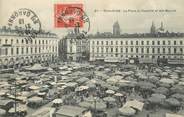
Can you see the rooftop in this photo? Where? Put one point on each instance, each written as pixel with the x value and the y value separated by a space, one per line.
pixel 70 111
pixel 42 33
pixel 138 35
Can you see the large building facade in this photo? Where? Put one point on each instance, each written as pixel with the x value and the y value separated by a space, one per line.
pixel 16 50
pixel 152 49
pixel 73 48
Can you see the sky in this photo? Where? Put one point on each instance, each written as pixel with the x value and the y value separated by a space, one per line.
pixel 130 21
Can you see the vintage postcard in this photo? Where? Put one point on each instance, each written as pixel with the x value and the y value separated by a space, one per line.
pixel 91 58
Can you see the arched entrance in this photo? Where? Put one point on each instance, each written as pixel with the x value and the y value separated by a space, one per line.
pixel 1 64
pixel 11 63
pixel 6 63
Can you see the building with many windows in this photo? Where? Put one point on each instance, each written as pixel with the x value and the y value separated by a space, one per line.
pixel 16 50
pixel 142 49
pixel 74 48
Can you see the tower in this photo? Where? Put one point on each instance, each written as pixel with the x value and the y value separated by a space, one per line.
pixel 162 26
pixel 153 28
pixel 76 29
pixel 116 29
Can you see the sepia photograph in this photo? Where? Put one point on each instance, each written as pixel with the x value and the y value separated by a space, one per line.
pixel 91 58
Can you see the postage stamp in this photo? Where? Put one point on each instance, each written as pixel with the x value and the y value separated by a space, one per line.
pixel 71 16
pixel 25 22
pixel 68 15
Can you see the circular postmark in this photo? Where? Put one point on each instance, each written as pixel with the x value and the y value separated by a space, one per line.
pixel 25 22
pixel 72 16
pixel 86 21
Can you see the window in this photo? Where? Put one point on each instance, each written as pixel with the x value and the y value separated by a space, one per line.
pixel 121 42
pixel 116 49
pixel 169 42
pixel 147 42
pixel 164 50
pixel 17 41
pixel 22 41
pixel 42 41
pixel 11 41
pixel 174 42
pixel 40 50
pixel 31 50
pixel 22 50
pixel 147 50
pixel 136 42
pixel 163 42
pixel 6 51
pixel 107 49
pixel 106 42
pixel 11 51
pixel 17 51
pixel 142 50
pixel 39 42
pixel 169 50
pixel 131 42
pixel 121 49
pixel 181 42
pixel 153 50
pixel 153 42
pixel 126 42
pixel 111 42
pixel 101 42
pixel 175 50
pixel 36 50
pixel 102 49
pixel 0 41
pixel 70 49
pixel 131 49
pixel 111 49
pixel 93 49
pixel 142 42
pixel 55 49
pixel 158 42
pixel 97 49
pixel 116 42
pixel 27 50
pixel 6 41
pixel 181 50
pixel 126 50
pixel 26 41
pixel 158 50
pixel 137 50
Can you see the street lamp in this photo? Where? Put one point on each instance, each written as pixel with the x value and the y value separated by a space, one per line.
pixel 15 94
pixel 95 99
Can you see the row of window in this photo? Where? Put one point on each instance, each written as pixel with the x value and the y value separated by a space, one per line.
pixel 138 42
pixel 126 56
pixel 22 50
pixel 78 49
pixel 137 50
pixel 23 41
